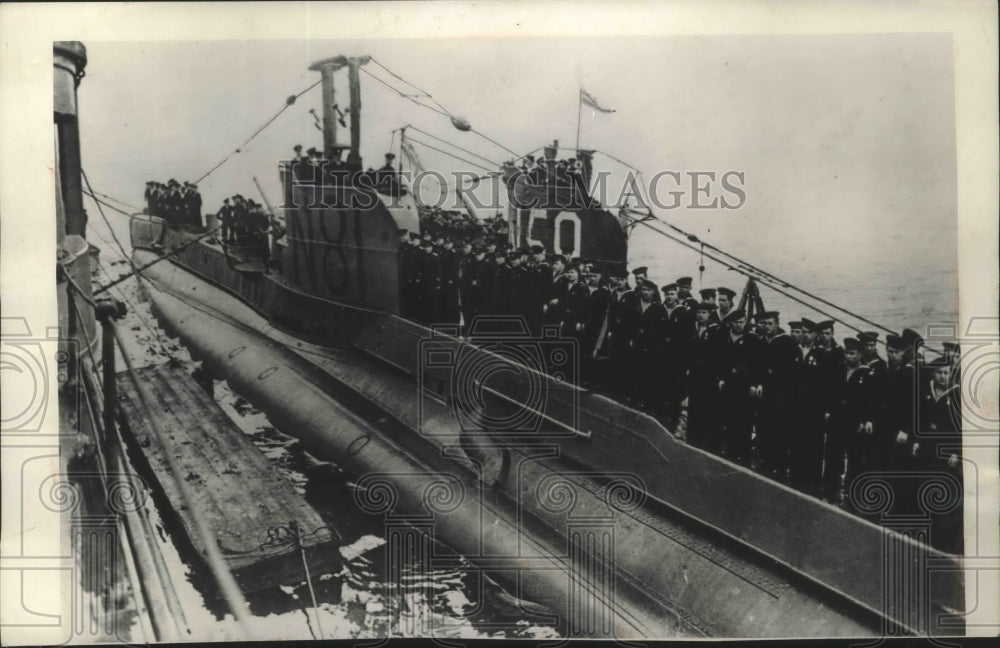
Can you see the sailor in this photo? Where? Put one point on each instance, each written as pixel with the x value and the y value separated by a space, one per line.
pixel 537 288
pixel 678 337
pixel 595 312
pixel 572 298
pixel 708 297
pixel 938 453
pixel 898 436
pixel 855 416
pixel 684 293
pixel 621 327
pixel 430 306
pixel 386 180
pixel 812 413
pixel 225 217
pixel 415 279
pixel 504 287
pixel 521 284
pixel 807 337
pixel 241 220
pixel 795 331
pixel 194 206
pixel 640 276
pixel 952 356
pixel 558 286
pixel 469 268
pixel 300 168
pixel 777 421
pixel 739 375
pixel 449 282
pixel 703 420
pixel 725 301
pixel 647 348
pixel 148 196
pixel 830 376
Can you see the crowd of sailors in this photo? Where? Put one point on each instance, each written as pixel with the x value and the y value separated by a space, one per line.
pixel 315 167
pixel 788 400
pixel 178 204
pixel 245 224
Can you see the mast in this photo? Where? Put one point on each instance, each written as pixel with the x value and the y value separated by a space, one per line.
pixel 326 68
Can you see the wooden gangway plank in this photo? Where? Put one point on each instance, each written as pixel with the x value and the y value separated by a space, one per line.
pixel 244 499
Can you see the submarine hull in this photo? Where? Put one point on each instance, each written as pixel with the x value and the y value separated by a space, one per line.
pixel 667 571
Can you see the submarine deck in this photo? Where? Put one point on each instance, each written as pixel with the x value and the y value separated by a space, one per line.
pixel 248 505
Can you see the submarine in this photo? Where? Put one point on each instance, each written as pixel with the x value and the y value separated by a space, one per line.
pixel 484 440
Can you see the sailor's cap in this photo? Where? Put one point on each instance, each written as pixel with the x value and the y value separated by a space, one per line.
pixel 852 344
pixel 734 315
pixel 867 336
pixel 895 342
pixel 728 292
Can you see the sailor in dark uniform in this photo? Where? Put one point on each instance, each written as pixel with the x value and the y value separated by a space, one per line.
pixel 622 312
pixel 830 376
pixel 572 296
pixel 807 336
pixel 594 320
pixel 449 282
pixel 725 301
pixel 939 451
pixel 225 217
pixel 640 276
pixel 540 273
pixel 739 375
pixel 430 306
pixel 854 416
pixel 684 293
pixel 780 389
pixel 504 287
pixel 703 421
pixel 795 331
pixel 899 421
pixel 553 308
pixel 647 348
pixel 678 338
pixel 708 297
pixel 472 267
pixel 386 180
pixel 814 402
pixel 952 356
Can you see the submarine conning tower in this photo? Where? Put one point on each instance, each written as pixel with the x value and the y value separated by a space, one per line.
pixel 341 240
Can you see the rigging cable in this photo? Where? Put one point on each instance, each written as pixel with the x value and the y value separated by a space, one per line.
pixel 109 205
pixel 441 110
pixel 288 104
pixel 444 141
pixel 457 157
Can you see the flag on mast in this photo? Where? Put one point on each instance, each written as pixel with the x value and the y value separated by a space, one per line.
pixel 588 100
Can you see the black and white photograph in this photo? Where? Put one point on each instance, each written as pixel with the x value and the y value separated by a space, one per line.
pixel 361 330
